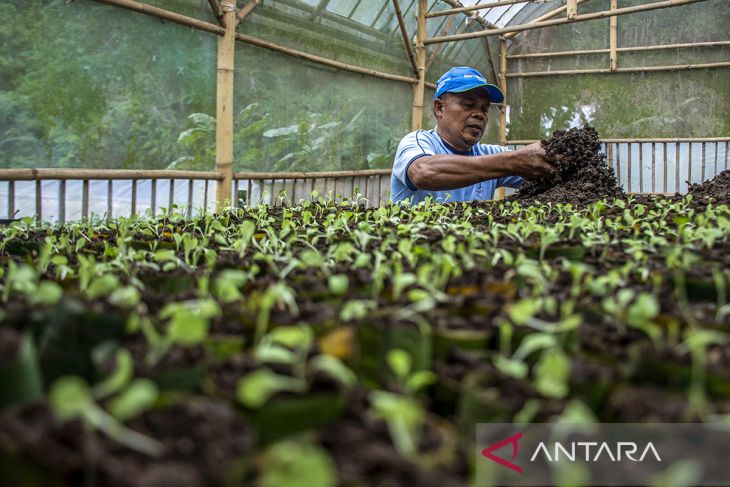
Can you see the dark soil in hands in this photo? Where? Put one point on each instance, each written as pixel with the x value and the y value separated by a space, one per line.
pixel 717 188
pixel 583 174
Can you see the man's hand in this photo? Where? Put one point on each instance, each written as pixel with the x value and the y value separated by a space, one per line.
pixel 531 162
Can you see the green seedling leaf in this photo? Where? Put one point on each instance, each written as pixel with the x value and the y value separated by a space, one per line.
pixel 48 293
pixel 164 255
pixel 338 284
pixel 552 374
pixel 255 389
pixel 399 362
pixel 418 380
pixel 119 378
pixel 70 397
pixel 643 310
pixel 187 329
pixel 522 311
pixel 297 464
pixel 291 336
pixel 312 258
pixel 335 368
pixel 532 343
pixel 125 297
pixel 140 396
pixel 404 417
pixel 102 286
pixel 356 309
pixel 402 281
pixel 270 353
pixel 510 367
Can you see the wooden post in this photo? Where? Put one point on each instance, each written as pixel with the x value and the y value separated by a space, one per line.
pixel 503 87
pixel 419 90
pixel 613 37
pixel 572 9
pixel 503 109
pixel 224 103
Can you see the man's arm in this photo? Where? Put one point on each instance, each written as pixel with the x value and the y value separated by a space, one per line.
pixel 443 172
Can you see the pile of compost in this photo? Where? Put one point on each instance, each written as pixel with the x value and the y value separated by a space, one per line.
pixel 717 188
pixel 583 175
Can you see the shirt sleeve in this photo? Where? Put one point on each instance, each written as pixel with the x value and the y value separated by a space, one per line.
pixel 411 147
pixel 514 182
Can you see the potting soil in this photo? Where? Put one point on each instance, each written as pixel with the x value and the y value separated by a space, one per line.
pixel 583 174
pixel 717 188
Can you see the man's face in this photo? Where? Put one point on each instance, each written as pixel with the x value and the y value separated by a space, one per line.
pixel 462 117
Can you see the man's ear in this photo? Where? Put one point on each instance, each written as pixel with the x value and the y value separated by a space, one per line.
pixel 438 107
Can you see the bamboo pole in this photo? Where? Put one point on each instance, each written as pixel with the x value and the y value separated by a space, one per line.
pixel 101 174
pixel 459 10
pixel 571 10
pixel 613 38
pixel 503 111
pixel 550 23
pixel 477 17
pixel 619 49
pixel 167 15
pixel 217 11
pixel 503 87
pixel 545 16
pixel 246 9
pixel 639 141
pixel 638 69
pixel 406 38
pixel 419 92
pixel 224 104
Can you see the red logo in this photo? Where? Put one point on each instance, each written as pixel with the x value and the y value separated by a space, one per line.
pixel 487 452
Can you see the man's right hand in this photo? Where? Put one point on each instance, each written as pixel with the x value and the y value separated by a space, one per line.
pixel 531 162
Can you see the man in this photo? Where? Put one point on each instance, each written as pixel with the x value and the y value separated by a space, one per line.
pixel 449 163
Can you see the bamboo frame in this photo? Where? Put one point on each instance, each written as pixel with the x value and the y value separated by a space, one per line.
pixel 101 174
pixel 216 29
pixel 244 11
pixel 257 176
pixel 404 34
pixel 224 104
pixel 479 6
pixel 546 16
pixel 216 8
pixel 167 15
pixel 637 69
pixel 478 18
pixel 419 92
pixel 571 10
pixel 619 49
pixel 613 39
pixel 503 112
pixel 550 23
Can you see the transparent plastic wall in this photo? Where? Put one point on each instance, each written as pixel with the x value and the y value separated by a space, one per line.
pixel 648 105
pixel 85 84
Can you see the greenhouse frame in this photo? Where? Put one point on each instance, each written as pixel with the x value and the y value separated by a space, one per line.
pixel 364 243
pixel 438 25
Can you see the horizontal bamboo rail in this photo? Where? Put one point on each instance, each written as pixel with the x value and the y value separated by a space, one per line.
pixel 161 13
pixel 638 141
pixel 618 49
pixel 479 6
pixel 637 69
pixel 545 16
pixel 550 23
pixel 102 174
pixel 311 175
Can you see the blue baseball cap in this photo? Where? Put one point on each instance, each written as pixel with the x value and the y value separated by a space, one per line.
pixel 463 78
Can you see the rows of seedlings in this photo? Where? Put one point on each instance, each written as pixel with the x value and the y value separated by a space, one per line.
pixel 330 344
